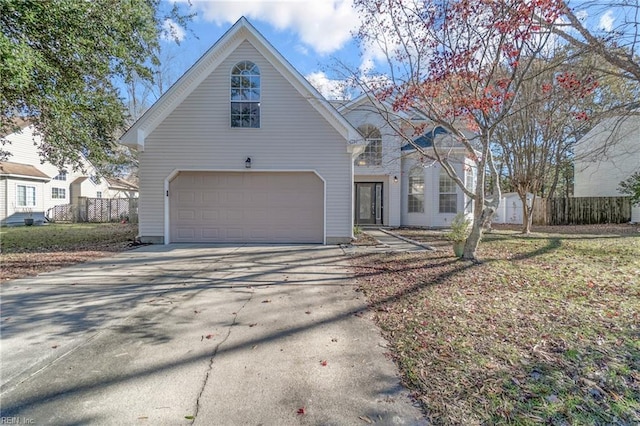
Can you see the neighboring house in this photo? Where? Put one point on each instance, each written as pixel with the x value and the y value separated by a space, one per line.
pixel 22 193
pixel 29 186
pixel 607 155
pixel 243 149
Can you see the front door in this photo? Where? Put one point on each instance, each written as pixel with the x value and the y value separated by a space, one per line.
pixel 368 203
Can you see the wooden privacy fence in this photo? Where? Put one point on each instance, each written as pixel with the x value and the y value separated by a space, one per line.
pixel 582 210
pixel 96 210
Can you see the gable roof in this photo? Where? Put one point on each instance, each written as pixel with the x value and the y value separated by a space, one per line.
pixel 18 170
pixel 241 31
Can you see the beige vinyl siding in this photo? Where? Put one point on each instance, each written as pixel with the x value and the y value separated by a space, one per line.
pixel 293 136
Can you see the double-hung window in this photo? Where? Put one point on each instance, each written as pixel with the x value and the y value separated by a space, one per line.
pixel 416 190
pixel 58 193
pixel 25 196
pixel 448 195
pixel 245 95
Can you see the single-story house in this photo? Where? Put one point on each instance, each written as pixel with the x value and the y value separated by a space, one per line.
pixel 32 187
pixel 243 149
pixel 607 155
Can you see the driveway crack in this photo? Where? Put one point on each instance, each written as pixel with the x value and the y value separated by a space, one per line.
pixel 215 352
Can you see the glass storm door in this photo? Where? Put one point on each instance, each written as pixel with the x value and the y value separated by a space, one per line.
pixel 368 203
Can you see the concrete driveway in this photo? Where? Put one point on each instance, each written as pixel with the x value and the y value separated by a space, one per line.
pixel 208 335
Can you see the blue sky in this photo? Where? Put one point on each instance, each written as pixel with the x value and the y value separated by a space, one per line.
pixel 309 33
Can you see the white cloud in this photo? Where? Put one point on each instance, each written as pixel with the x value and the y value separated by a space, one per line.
pixel 606 21
pixel 330 89
pixel 171 31
pixel 324 25
pixel 582 15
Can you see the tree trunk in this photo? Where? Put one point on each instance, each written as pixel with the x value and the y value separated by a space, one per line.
pixel 471 245
pixel 480 220
pixel 527 214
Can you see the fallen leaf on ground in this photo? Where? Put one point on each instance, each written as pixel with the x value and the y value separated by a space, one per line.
pixel 208 336
pixel 323 363
pixel 301 410
pixel 365 419
pixel 253 325
pixel 266 301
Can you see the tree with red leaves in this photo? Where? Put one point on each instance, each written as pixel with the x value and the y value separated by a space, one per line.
pixel 461 64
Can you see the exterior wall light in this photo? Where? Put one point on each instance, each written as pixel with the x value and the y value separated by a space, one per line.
pixel 395 179
pixel 247 163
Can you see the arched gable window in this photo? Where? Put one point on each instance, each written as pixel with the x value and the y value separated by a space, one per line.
pixel 372 155
pixel 416 190
pixel 245 95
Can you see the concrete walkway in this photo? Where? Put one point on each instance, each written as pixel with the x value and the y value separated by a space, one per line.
pixel 205 335
pixel 394 242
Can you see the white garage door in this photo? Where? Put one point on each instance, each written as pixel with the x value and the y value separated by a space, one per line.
pixel 237 207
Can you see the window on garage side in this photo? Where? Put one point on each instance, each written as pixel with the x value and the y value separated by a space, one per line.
pixel 58 193
pixel 245 95
pixel 448 195
pixel 25 196
pixel 416 190
pixel 372 155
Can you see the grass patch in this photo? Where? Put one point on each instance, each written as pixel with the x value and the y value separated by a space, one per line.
pixel 63 237
pixel 30 250
pixel 546 330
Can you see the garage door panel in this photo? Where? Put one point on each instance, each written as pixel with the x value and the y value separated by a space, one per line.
pixel 210 233
pixel 187 197
pixel 246 207
pixel 210 214
pixel 186 233
pixel 186 215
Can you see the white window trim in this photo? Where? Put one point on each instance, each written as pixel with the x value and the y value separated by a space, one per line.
pixel 258 102
pixel 370 158
pixel 62 176
pixel 440 193
pixel 26 197
pixel 57 196
pixel 415 194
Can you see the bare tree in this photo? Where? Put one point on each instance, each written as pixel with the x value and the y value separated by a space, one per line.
pixel 560 100
pixel 617 43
